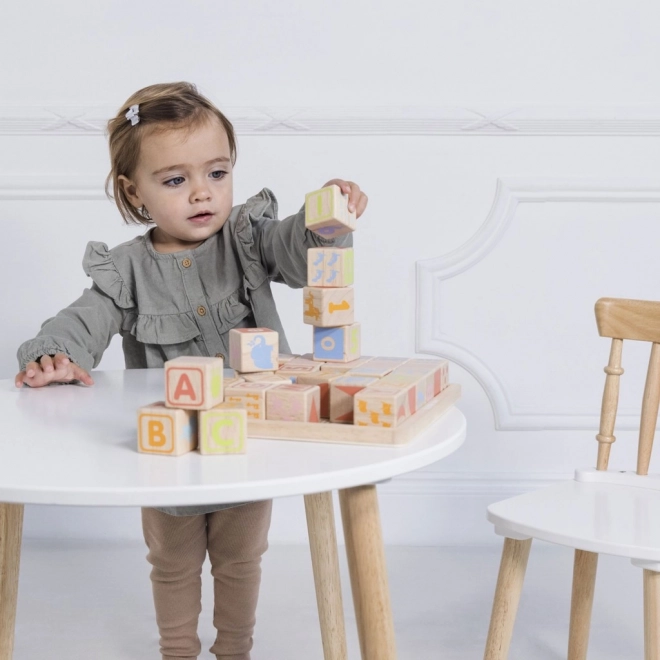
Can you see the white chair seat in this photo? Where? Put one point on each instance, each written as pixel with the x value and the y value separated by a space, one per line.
pixel 597 517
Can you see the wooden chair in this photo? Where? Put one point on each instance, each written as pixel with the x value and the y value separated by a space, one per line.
pixel 612 512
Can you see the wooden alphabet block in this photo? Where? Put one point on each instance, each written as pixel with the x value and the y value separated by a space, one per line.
pixel 323 380
pixel 326 212
pixel 337 344
pixel 294 370
pixel 344 367
pixel 267 377
pixel 304 362
pixel 194 383
pixel 283 358
pixel 253 349
pixel 330 267
pixel 342 392
pixel 421 383
pixel 251 396
pixel 293 403
pixel 325 308
pixel 166 431
pixel 223 430
pixel 437 370
pixel 383 405
pixel 234 380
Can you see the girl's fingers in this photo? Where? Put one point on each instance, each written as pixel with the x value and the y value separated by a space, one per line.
pixel 361 205
pixel 60 361
pixel 58 368
pixel 46 363
pixel 80 374
pixel 31 369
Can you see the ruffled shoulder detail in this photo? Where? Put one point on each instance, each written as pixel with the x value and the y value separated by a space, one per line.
pixel 100 266
pixel 260 208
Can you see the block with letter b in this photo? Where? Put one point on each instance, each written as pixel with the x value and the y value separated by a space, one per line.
pixel 337 344
pixel 253 349
pixel 326 307
pixel 193 383
pixel 327 214
pixel 330 267
pixel 166 431
pixel 223 430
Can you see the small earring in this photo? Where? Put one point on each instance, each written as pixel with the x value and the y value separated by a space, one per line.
pixel 144 213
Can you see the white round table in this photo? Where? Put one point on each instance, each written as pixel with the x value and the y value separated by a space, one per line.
pixel 73 445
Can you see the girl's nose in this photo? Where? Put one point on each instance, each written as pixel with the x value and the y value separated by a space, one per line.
pixel 200 192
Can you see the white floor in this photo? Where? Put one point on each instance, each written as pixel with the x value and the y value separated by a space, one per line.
pixel 92 601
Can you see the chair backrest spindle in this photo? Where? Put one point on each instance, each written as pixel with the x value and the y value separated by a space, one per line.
pixel 608 410
pixel 649 411
pixel 621 319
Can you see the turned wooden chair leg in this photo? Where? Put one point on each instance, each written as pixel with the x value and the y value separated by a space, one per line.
pixel 11 530
pixel 582 600
pixel 366 563
pixel 507 596
pixel 651 615
pixel 325 563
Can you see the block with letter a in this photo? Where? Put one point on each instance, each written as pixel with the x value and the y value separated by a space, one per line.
pixel 166 431
pixel 193 383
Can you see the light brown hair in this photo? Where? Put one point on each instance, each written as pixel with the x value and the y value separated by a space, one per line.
pixel 161 107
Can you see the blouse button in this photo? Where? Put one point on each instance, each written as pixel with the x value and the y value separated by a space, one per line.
pixel 220 355
pixel 186 263
pixel 201 310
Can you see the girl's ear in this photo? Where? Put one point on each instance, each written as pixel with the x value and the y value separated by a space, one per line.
pixel 130 190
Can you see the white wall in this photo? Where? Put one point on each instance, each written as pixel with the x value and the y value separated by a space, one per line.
pixel 510 153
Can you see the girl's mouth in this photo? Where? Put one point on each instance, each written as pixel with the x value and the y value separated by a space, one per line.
pixel 201 218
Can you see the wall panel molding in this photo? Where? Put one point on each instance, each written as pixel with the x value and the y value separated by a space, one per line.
pixel 41 187
pixel 431 273
pixel 384 120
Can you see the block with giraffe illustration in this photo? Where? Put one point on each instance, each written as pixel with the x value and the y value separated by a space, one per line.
pixel 328 307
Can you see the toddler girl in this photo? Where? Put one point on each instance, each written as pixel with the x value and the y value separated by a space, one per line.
pixel 204 268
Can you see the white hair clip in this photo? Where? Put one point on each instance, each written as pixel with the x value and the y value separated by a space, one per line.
pixel 132 114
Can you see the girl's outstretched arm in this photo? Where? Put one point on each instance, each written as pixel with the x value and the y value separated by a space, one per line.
pixel 71 343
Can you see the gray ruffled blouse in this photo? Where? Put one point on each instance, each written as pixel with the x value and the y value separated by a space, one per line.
pixel 183 303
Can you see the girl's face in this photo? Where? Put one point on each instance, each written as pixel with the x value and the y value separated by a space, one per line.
pixel 184 179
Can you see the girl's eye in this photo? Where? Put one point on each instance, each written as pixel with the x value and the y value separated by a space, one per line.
pixel 218 174
pixel 176 181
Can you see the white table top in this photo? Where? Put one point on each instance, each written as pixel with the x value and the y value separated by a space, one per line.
pixel 74 445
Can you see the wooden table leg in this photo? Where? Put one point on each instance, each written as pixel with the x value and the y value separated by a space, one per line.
pixel 11 530
pixel 325 563
pixel 366 563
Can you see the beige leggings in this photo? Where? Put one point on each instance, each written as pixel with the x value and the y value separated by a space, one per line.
pixel 235 539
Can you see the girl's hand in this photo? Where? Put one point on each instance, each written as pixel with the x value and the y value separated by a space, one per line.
pixel 357 200
pixel 56 369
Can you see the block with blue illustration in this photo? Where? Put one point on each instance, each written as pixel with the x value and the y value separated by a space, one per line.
pixel 330 267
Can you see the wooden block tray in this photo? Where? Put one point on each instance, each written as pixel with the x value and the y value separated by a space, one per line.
pixel 351 434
